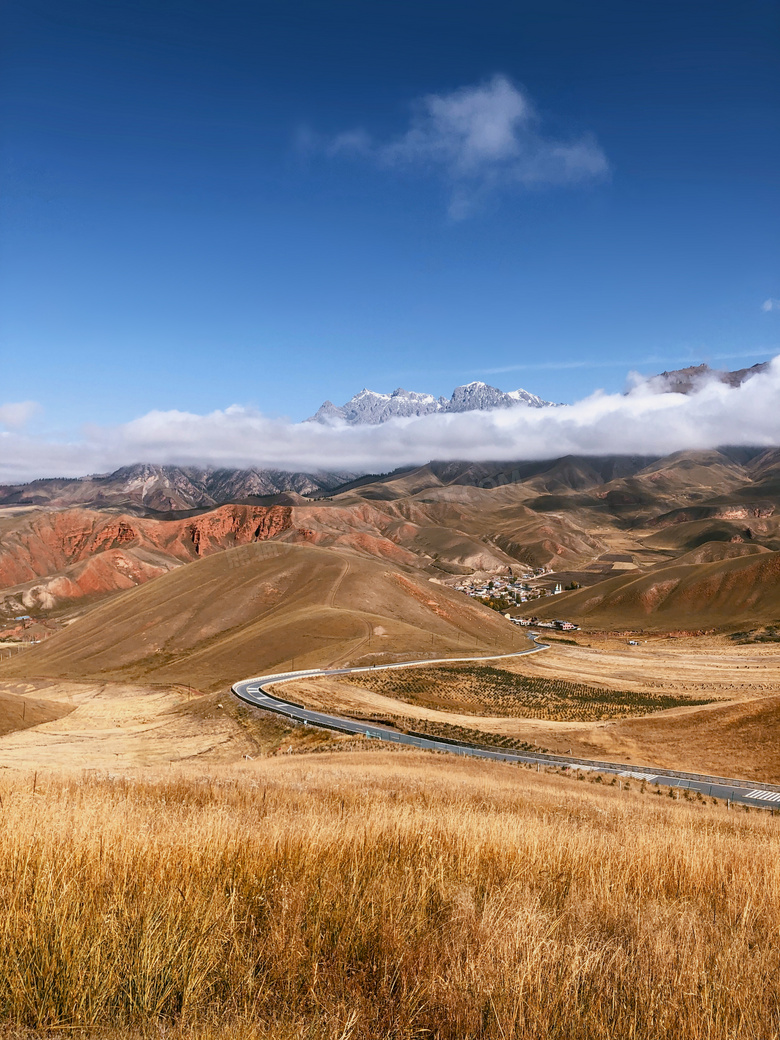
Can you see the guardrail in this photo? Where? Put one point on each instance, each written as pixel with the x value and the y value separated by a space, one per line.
pixel 656 771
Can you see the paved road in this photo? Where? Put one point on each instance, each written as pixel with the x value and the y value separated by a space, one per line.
pixel 254 691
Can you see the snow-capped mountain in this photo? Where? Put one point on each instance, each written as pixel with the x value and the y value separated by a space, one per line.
pixel 370 408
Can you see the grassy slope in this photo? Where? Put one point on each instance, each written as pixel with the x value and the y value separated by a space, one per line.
pixel 18 712
pixel 240 612
pixel 392 895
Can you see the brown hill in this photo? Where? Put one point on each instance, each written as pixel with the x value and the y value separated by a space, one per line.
pixel 443 519
pixel 700 472
pixel 689 534
pixel 249 609
pixel 22 710
pixel 571 472
pixel 51 558
pixel 679 480
pixel 711 552
pixel 692 596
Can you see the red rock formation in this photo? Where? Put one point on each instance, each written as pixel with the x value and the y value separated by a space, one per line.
pixel 80 552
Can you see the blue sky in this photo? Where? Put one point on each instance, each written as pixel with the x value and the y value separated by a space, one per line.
pixel 272 203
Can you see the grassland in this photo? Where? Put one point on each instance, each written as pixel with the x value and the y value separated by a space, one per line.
pixel 385 895
pixel 132 727
pixel 726 719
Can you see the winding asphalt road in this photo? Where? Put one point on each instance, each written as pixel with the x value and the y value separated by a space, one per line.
pixel 255 692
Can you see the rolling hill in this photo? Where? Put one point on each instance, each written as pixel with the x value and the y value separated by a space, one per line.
pixel 50 560
pixel 260 606
pixel 442 520
pixel 22 710
pixel 684 595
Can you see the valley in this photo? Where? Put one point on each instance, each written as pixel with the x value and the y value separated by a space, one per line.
pixel 679 557
pixel 689 541
pixel 389 648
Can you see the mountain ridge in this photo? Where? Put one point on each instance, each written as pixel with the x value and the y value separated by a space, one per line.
pixel 369 408
pixel 148 487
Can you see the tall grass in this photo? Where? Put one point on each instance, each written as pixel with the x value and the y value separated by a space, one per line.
pixel 331 899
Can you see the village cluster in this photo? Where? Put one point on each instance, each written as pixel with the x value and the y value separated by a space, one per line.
pixel 507 590
pixel 517 589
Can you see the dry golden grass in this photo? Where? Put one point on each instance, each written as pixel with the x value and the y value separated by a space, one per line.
pixel 703 666
pixel 125 726
pixel 724 739
pixel 391 895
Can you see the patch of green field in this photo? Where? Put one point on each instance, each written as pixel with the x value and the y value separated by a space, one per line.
pixel 484 690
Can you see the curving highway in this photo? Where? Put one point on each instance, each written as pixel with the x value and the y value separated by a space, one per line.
pixel 255 692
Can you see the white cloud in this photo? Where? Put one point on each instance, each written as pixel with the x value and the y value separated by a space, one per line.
pixel 481 139
pixel 638 423
pixel 15 414
pixel 770 305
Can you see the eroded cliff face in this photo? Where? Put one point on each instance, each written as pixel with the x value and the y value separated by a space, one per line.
pixel 236 525
pixel 55 557
pixel 110 571
pixel 49 542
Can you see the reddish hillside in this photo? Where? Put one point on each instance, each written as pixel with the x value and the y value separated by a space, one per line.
pixel 50 558
pixel 442 519
pixel 54 558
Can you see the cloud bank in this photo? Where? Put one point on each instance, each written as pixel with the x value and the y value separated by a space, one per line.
pixel 480 139
pixel 641 422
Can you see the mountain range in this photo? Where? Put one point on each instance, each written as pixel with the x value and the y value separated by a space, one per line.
pixel 146 489
pixel 149 488
pixel 370 408
pixel 641 530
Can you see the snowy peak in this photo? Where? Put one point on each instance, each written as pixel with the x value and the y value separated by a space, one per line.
pixel 478 397
pixel 525 397
pixel 371 408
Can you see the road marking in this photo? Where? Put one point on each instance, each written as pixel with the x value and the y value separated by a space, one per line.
pixel 766 796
